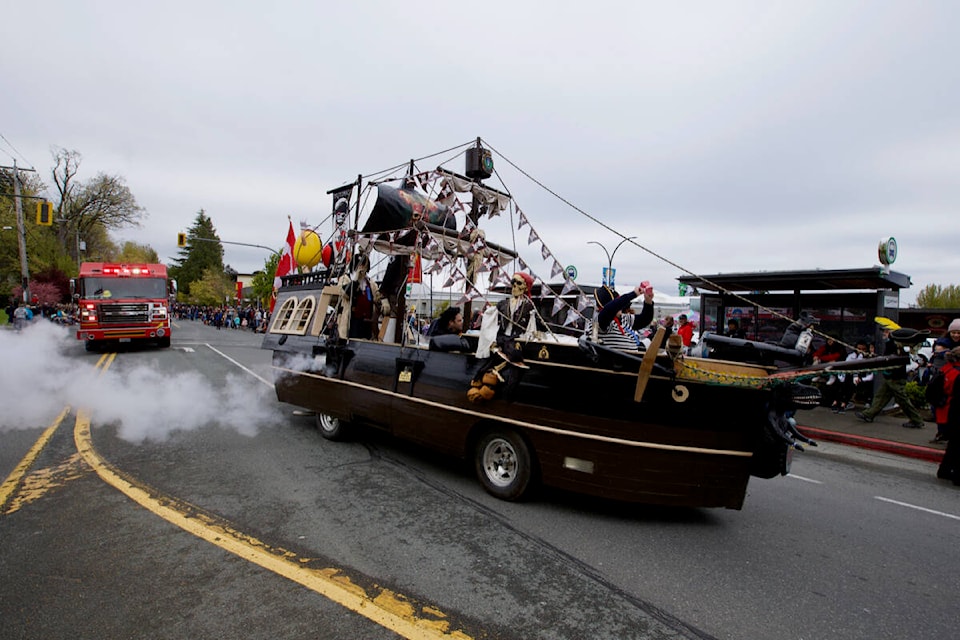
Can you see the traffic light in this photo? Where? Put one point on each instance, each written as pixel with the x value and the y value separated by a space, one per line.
pixel 181 239
pixel 45 213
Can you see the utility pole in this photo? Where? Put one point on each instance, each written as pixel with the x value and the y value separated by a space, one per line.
pixel 21 230
pixel 21 236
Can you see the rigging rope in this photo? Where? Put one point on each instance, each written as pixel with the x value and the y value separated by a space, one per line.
pixel 717 286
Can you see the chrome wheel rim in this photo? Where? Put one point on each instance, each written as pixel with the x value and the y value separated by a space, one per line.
pixel 328 424
pixel 500 462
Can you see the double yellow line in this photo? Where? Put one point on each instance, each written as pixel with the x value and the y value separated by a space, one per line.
pixel 387 608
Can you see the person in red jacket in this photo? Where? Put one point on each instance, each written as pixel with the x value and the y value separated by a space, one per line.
pixel 685 330
pixel 829 351
pixel 950 414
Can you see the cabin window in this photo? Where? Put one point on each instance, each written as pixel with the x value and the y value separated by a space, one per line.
pixel 301 317
pixel 284 316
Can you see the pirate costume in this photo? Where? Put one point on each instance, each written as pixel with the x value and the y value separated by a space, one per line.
pixel 619 331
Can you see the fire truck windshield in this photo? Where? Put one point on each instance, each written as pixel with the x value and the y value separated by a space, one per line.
pixel 114 288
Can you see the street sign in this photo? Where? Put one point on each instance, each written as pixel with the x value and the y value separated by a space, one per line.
pixel 609 276
pixel 571 272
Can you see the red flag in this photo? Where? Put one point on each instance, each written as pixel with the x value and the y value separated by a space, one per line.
pixel 415 273
pixel 286 265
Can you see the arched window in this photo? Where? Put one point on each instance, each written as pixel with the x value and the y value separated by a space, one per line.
pixel 283 317
pixel 301 317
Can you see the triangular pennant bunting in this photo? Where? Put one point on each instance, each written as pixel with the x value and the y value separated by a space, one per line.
pixel 557 305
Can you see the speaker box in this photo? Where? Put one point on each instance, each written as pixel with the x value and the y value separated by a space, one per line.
pixel 479 163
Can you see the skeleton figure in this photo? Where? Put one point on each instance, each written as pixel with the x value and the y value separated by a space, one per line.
pixel 514 313
pixel 335 254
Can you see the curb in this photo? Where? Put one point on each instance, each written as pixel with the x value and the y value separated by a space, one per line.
pixel 865 442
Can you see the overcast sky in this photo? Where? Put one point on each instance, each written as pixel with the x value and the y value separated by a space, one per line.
pixel 725 136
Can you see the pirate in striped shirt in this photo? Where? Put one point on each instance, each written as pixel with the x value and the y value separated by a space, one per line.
pixel 616 326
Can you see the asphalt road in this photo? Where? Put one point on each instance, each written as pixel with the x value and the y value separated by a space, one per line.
pixel 849 546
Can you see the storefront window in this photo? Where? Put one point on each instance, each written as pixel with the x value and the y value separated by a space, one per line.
pixel 746 320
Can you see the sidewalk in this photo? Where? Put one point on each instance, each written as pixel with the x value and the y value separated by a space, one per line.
pixel 883 434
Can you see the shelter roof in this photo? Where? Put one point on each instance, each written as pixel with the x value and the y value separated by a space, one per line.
pixel 873 278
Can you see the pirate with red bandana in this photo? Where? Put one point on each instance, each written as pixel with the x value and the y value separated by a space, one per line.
pixel 514 313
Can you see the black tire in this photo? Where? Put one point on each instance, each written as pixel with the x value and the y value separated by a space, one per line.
pixel 504 465
pixel 332 428
pixel 91 345
pixel 164 343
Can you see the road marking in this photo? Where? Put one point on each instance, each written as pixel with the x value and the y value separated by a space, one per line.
pixel 811 480
pixel 382 606
pixel 13 480
pixel 42 481
pixel 913 506
pixel 221 353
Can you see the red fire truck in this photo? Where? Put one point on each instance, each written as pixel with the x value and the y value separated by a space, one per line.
pixel 123 303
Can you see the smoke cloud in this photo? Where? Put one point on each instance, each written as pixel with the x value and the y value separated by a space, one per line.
pixel 38 378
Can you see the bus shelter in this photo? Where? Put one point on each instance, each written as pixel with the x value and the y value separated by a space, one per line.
pixel 845 300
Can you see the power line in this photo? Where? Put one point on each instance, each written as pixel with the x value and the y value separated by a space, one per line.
pixel 10 144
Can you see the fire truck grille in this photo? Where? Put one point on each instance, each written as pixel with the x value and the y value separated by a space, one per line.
pixel 124 313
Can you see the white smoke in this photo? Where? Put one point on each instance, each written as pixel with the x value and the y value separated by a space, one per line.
pixel 38 379
pixel 302 362
pixel 34 375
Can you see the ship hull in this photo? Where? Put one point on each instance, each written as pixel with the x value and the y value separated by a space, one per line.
pixel 685 443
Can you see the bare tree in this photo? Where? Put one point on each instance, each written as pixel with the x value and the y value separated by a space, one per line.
pixel 104 202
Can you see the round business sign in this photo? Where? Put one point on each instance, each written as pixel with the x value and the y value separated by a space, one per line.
pixel 571 272
pixel 888 251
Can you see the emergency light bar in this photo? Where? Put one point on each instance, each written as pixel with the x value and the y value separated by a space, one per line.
pixel 126 271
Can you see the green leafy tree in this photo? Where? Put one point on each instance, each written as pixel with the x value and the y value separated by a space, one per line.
pixel 203 251
pixel 262 283
pixel 935 296
pixel 87 212
pixel 214 288
pixel 99 247
pixel 132 253
pixel 41 245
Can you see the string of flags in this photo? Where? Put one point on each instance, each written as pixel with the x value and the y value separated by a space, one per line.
pixel 457 253
pixel 561 309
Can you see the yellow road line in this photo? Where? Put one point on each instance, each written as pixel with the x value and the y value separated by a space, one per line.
pixel 382 606
pixel 38 484
pixel 16 476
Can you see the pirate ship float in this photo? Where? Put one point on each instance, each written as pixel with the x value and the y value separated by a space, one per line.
pixel 552 406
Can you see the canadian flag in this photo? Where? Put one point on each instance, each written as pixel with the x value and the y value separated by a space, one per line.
pixel 415 272
pixel 286 265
